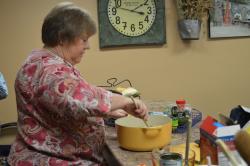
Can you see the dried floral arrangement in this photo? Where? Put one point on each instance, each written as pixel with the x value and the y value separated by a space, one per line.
pixel 193 9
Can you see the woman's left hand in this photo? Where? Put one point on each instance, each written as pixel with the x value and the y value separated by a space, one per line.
pixel 118 113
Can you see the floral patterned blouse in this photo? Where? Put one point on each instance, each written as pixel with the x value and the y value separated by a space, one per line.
pixel 59 114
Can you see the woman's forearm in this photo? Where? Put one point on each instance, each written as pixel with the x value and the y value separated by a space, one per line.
pixel 120 102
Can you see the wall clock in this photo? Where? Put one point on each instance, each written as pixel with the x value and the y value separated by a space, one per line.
pixel 131 22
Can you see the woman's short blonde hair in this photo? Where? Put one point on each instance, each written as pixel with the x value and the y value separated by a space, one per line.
pixel 64 23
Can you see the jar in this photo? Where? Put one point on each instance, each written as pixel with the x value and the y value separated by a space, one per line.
pixel 180 104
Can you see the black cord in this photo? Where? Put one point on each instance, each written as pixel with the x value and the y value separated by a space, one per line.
pixel 113 82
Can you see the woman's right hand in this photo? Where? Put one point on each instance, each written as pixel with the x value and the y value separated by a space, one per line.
pixel 132 106
pixel 137 108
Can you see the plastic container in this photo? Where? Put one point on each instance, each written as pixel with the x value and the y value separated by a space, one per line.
pixel 179 117
pixel 180 104
pixel 196 118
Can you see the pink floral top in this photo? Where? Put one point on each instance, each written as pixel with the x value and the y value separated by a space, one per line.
pixel 59 114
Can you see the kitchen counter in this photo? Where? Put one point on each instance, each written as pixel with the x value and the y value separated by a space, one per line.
pixel 116 156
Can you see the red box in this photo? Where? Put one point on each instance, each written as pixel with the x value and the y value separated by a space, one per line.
pixel 210 130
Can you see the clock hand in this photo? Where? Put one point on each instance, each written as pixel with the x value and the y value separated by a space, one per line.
pixel 141 13
pixel 139 6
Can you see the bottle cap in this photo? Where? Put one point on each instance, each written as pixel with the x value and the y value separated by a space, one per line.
pixel 180 102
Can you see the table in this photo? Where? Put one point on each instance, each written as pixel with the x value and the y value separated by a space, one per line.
pixel 116 156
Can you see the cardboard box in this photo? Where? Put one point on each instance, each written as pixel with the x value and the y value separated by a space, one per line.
pixel 210 130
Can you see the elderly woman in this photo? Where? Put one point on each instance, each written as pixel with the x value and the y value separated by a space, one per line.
pixel 60 115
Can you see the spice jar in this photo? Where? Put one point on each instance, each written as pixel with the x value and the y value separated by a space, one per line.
pixel 180 104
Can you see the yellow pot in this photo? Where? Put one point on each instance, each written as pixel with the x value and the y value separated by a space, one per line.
pixel 134 135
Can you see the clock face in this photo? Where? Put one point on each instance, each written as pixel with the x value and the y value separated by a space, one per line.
pixel 131 17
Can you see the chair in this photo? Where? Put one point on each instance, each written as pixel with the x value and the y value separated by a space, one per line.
pixel 6 129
